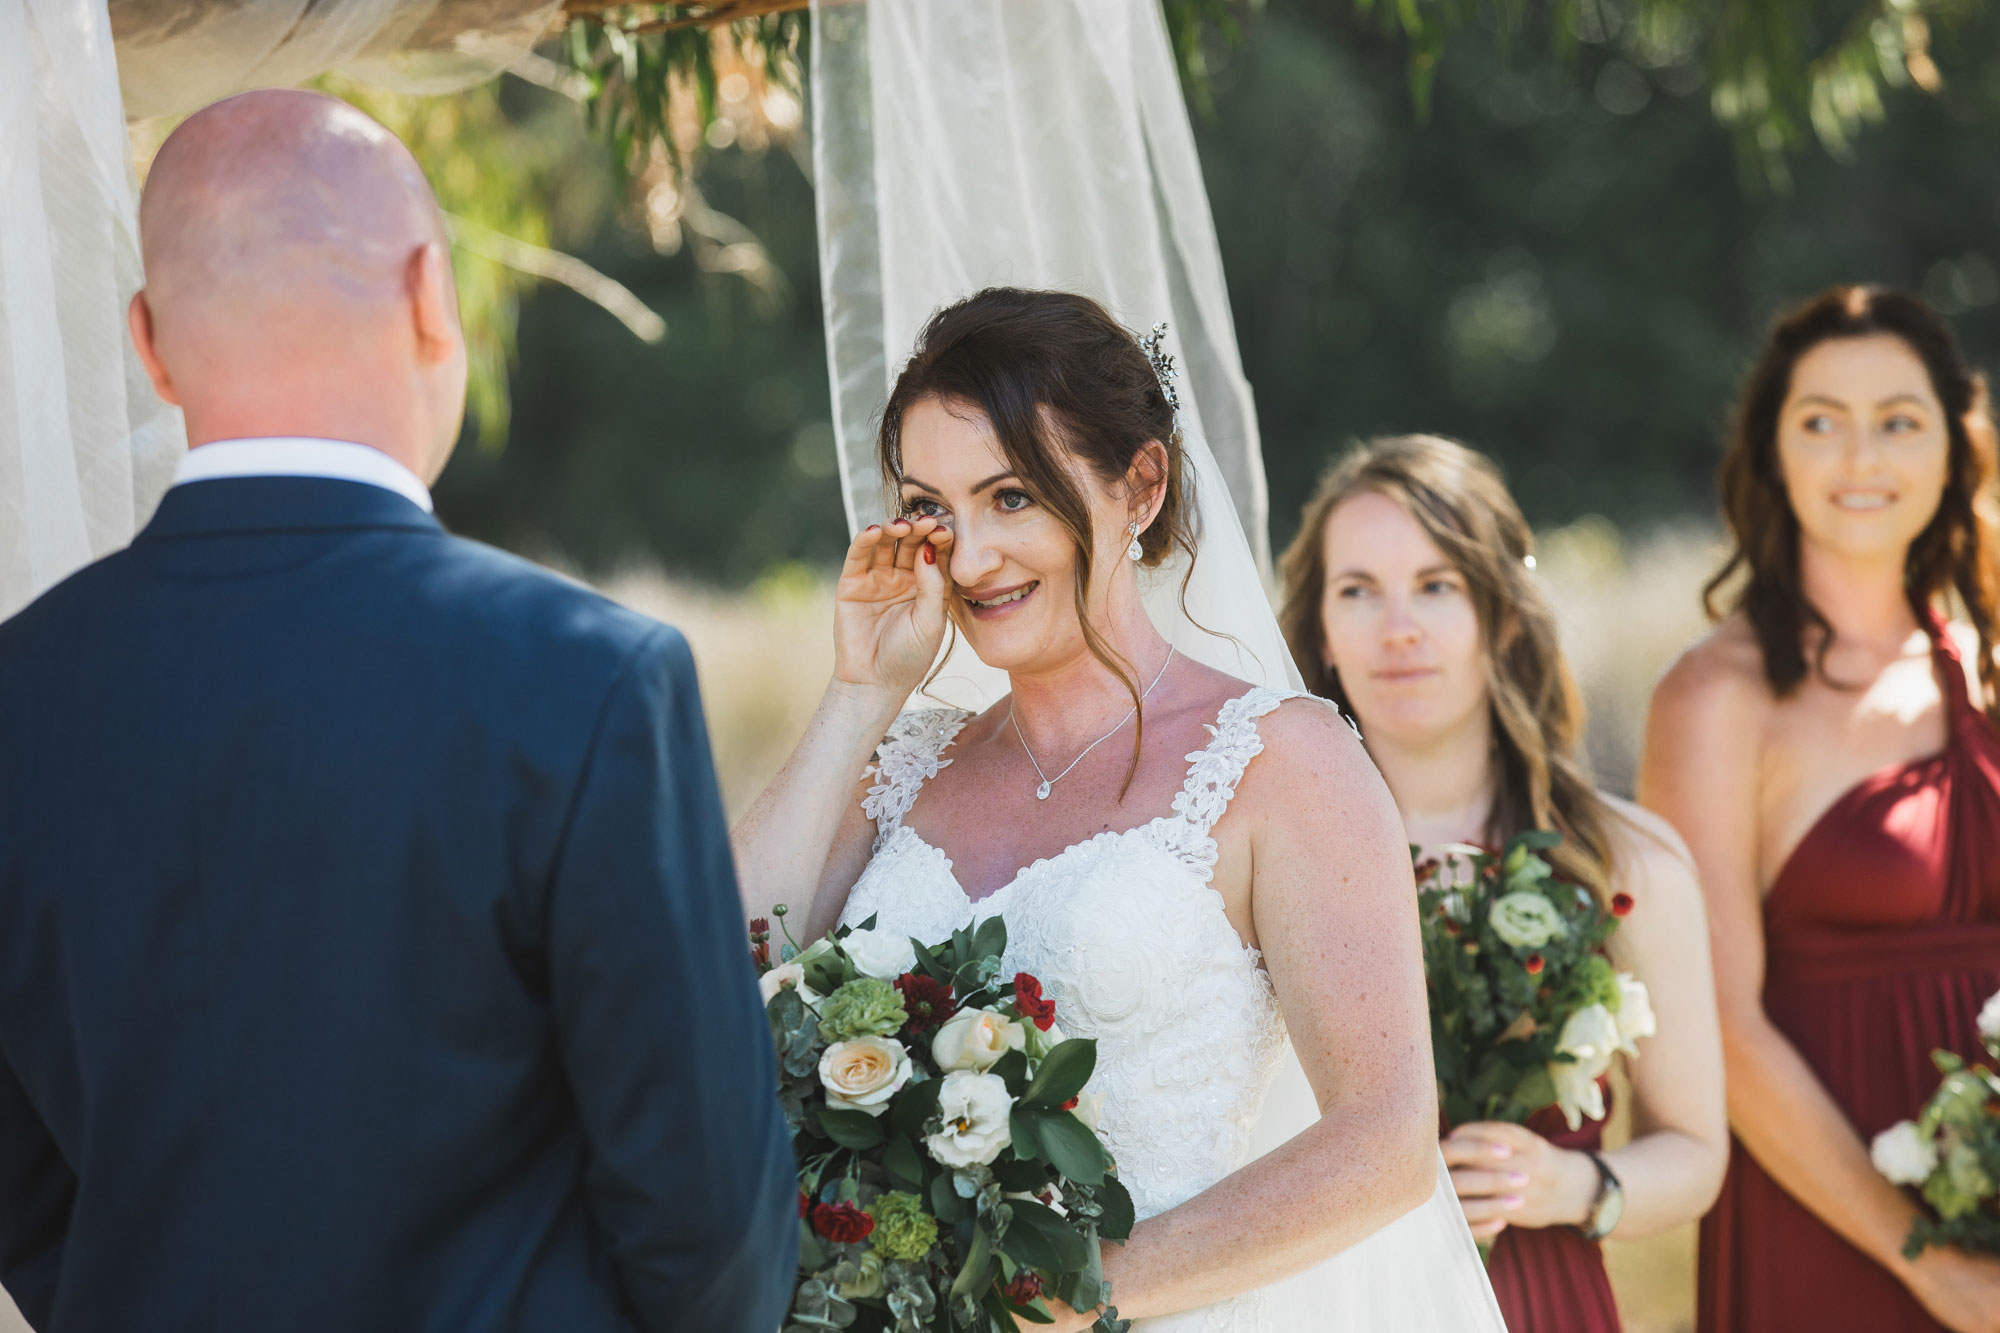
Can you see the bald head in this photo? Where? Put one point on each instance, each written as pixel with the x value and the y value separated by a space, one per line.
pixel 295 254
pixel 277 198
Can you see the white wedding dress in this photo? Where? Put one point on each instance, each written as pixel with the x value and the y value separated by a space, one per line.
pixel 1130 940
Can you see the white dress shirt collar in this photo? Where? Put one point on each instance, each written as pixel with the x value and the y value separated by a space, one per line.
pixel 300 457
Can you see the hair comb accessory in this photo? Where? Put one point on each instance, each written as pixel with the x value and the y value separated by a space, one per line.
pixel 1154 344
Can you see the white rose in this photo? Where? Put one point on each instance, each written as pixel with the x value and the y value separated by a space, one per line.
pixel 787 976
pixel 880 954
pixel 1089 1109
pixel 1525 919
pixel 1903 1154
pixel 1590 1035
pixel 1989 1022
pixel 864 1073
pixel 1635 1013
pixel 975 1038
pixel 975 1108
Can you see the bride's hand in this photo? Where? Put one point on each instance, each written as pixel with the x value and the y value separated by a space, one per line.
pixel 1066 1319
pixel 889 606
pixel 1507 1175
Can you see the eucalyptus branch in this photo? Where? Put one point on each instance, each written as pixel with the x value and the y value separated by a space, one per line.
pixel 554 266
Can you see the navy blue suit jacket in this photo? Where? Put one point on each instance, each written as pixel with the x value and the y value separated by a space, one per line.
pixel 370 953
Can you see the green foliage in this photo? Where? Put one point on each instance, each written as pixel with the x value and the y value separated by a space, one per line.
pixel 1499 996
pixel 1961 1122
pixel 863 1007
pixel 1782 72
pixel 903 1230
pixel 651 84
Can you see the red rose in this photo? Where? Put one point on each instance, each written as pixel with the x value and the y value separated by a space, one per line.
pixel 929 1003
pixel 842 1223
pixel 1070 1105
pixel 1029 1002
pixel 1534 965
pixel 1025 1289
pixel 1622 904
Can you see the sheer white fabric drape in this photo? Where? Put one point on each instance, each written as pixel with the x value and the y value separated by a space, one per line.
pixel 85 446
pixel 176 55
pixel 960 144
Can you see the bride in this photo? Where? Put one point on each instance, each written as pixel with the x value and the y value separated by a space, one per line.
pixel 1198 870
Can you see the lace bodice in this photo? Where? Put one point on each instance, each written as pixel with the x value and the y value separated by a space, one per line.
pixel 1129 937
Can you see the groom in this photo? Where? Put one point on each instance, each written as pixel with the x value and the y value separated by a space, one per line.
pixel 370 955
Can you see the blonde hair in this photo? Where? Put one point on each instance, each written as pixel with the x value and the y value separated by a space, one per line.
pixel 1540 778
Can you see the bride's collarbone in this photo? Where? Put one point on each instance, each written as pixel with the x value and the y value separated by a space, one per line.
pixel 982 812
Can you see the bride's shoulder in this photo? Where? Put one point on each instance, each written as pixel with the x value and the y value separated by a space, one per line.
pixel 1308 748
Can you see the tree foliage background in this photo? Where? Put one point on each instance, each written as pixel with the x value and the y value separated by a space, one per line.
pixel 1552 249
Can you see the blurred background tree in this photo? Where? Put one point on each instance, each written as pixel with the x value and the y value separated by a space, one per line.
pixel 1556 253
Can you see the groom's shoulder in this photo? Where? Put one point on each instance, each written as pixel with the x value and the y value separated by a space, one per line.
pixel 509 611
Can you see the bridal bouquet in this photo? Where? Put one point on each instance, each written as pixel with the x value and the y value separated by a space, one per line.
pixel 1951 1151
pixel 950 1169
pixel 1525 1010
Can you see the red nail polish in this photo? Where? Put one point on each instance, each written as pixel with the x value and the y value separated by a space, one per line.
pixel 930 554
pixel 874 527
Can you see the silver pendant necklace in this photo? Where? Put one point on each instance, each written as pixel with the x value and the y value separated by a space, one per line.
pixel 1048 783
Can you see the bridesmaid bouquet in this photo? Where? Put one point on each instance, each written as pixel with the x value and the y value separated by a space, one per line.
pixel 1951 1151
pixel 950 1168
pixel 1525 1010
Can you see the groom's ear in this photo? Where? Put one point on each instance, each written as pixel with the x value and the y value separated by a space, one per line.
pixel 139 319
pixel 433 300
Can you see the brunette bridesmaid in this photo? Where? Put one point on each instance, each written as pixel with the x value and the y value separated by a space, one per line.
pixel 1411 601
pixel 1830 755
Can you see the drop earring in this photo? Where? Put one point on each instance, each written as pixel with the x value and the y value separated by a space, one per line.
pixel 1134 551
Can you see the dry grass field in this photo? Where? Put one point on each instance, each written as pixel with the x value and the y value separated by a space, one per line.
pixel 1627 607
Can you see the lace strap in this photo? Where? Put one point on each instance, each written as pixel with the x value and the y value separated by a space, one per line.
pixel 1214 771
pixel 904 761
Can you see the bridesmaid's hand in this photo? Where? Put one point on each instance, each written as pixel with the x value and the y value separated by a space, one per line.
pixel 1506 1175
pixel 1962 1291
pixel 889 607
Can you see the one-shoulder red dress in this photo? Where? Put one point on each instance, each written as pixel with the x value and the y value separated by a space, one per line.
pixel 1550 1279
pixel 1882 940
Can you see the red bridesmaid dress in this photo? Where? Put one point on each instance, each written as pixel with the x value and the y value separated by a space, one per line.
pixel 1882 940
pixel 1550 1279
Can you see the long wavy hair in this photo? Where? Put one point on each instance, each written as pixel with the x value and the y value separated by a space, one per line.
pixel 1058 379
pixel 1539 776
pixel 1955 553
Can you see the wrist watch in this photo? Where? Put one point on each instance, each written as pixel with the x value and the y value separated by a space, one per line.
pixel 1609 1205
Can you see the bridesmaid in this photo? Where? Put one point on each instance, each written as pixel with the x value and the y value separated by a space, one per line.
pixel 1830 755
pixel 1410 601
